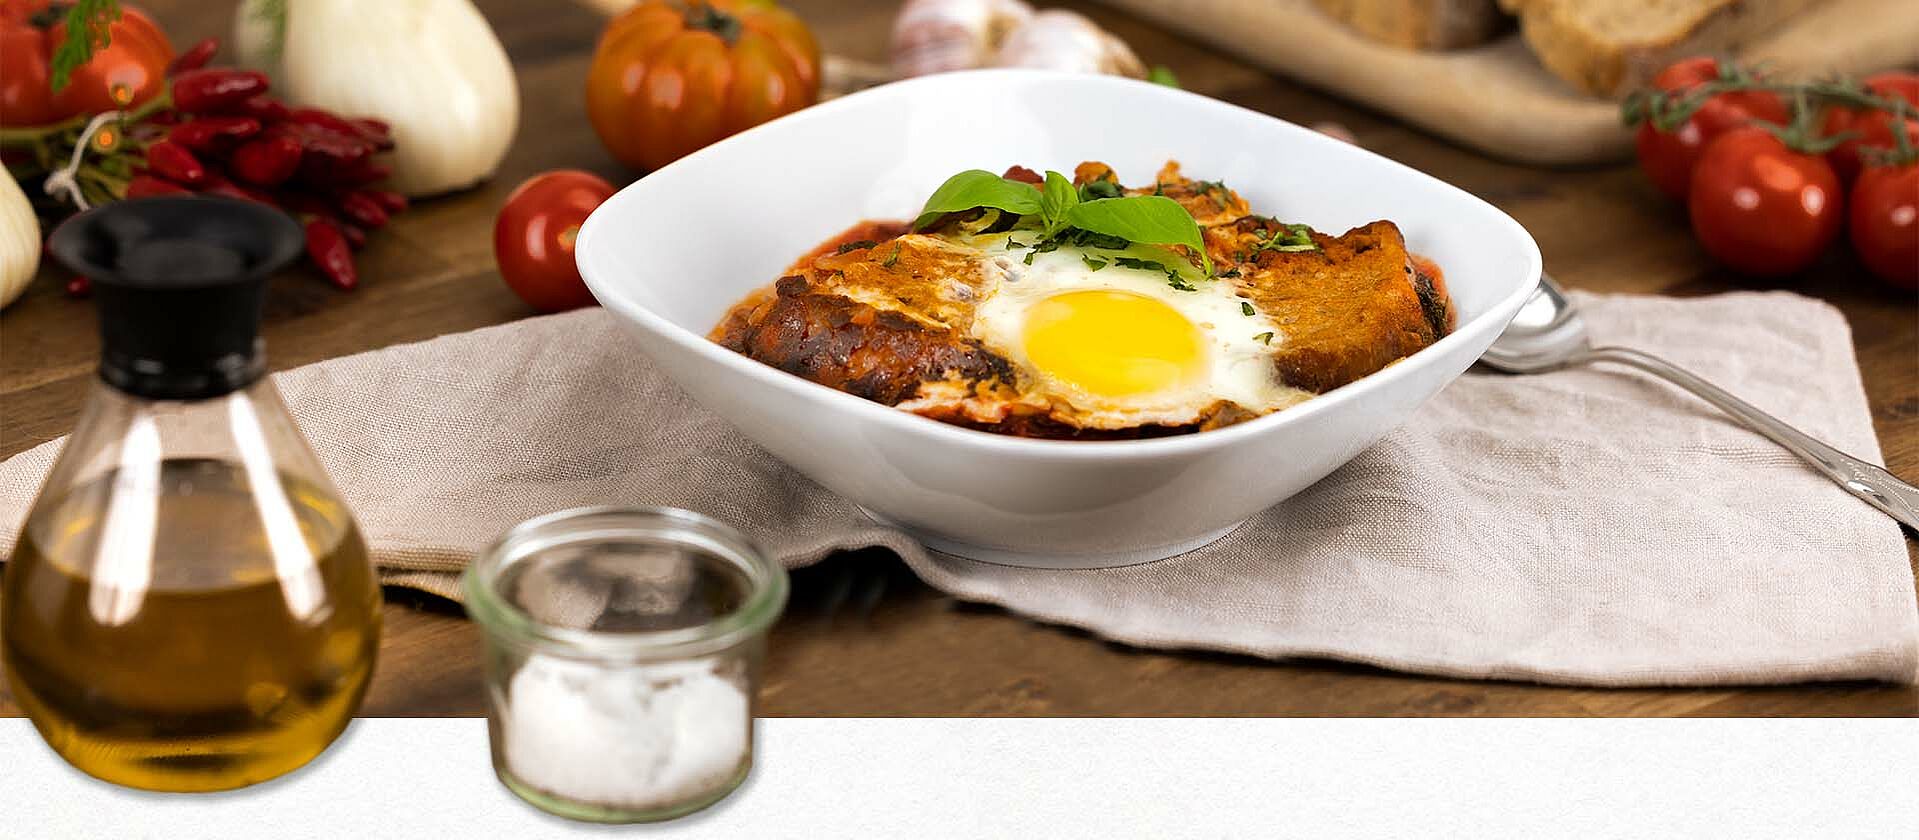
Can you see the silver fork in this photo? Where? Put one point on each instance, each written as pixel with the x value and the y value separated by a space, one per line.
pixel 1548 334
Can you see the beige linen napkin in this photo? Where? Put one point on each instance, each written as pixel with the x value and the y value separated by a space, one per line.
pixel 1589 526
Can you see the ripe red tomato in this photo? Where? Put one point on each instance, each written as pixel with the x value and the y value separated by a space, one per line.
pixel 129 70
pixel 533 237
pixel 1762 208
pixel 670 77
pixel 1874 129
pixel 1668 158
pixel 1885 222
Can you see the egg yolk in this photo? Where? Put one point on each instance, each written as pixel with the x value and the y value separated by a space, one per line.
pixel 1113 343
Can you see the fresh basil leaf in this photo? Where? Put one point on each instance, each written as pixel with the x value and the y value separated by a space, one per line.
pixel 1056 199
pixel 1149 219
pixel 978 188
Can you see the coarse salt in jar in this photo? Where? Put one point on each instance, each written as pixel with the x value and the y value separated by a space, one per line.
pixel 623 648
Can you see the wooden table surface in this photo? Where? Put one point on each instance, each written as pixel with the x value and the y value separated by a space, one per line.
pixel 863 636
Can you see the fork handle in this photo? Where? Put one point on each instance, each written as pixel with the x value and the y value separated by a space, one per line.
pixel 1870 483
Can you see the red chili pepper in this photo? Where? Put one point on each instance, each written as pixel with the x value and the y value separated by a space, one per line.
pixel 173 162
pixel 210 90
pixel 141 186
pixel 325 142
pixel 328 249
pixel 375 132
pixel 303 203
pixel 194 57
pixel 79 287
pixel 219 185
pixel 267 161
pixel 393 202
pixel 206 134
pixel 355 235
pixel 363 172
pixel 330 121
pixel 264 108
pixel 362 209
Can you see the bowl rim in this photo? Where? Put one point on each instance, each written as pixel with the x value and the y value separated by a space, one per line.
pixel 907 422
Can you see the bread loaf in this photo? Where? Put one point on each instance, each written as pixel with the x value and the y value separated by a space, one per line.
pixel 1419 24
pixel 1610 47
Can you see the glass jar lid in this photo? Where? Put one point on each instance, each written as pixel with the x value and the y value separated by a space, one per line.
pixel 628 583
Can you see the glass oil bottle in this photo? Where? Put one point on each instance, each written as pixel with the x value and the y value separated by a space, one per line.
pixel 190 606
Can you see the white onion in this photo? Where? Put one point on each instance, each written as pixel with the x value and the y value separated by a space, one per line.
pixel 432 69
pixel 19 240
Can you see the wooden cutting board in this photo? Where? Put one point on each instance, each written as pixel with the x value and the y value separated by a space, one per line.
pixel 1496 97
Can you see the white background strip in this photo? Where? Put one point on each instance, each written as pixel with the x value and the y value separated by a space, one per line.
pixel 1081 778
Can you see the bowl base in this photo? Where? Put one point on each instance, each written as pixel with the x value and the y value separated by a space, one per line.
pixel 1033 560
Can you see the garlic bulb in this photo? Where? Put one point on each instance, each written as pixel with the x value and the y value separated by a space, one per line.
pixel 935 36
pixel 1061 40
pixel 19 239
pixel 432 69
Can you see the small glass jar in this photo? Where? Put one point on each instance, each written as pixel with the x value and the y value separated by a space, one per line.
pixel 623 650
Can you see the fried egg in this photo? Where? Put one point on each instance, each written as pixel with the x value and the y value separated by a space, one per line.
pixel 1106 345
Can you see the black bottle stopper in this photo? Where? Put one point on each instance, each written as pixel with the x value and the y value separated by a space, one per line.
pixel 179 281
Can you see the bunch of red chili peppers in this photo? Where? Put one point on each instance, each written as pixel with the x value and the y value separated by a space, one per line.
pixel 217 132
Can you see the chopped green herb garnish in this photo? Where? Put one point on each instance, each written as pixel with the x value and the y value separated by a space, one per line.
pixel 1228 274
pixel 1099 189
pixel 891 258
pixel 1291 238
pixel 1030 255
pixel 856 245
pixel 1173 279
pixel 1089 239
pixel 1245 308
pixel 1215 190
pixel 1161 75
pixel 1093 264
pixel 1264 338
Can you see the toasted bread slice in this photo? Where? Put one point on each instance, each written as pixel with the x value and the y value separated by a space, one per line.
pixel 1610 47
pixel 1419 24
pixel 1348 308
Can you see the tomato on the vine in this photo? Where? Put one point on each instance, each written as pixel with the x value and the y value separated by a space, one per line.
pixel 1761 207
pixel 533 237
pixel 1873 128
pixel 129 70
pixel 1885 222
pixel 1668 157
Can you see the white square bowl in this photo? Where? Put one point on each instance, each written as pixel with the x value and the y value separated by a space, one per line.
pixel 673 251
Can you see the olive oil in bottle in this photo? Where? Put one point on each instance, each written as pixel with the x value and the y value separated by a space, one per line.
pixel 190 606
pixel 216 671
